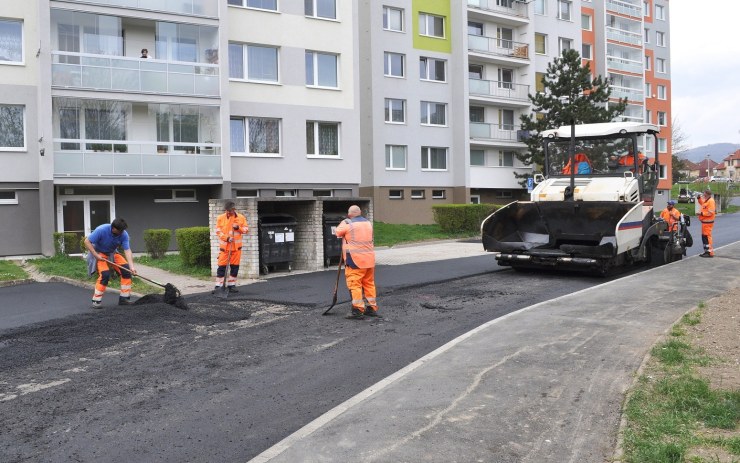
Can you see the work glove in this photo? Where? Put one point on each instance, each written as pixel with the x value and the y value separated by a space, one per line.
pixel 230 240
pixel 236 226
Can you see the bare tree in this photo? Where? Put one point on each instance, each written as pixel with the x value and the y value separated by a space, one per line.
pixel 679 139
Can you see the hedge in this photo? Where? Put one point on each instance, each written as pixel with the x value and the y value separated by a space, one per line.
pixel 456 218
pixel 157 241
pixel 66 243
pixel 195 245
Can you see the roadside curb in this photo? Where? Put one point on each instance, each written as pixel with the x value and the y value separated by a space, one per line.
pixel 24 281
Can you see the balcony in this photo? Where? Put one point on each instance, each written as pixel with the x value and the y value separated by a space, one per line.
pixel 632 94
pixel 620 35
pixel 499 90
pixel 624 8
pixel 484 131
pixel 119 73
pixel 625 65
pixel 518 51
pixel 207 8
pixel 126 158
pixel 514 9
pixel 497 177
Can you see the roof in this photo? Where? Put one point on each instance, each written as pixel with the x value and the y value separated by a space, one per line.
pixel 733 156
pixel 601 129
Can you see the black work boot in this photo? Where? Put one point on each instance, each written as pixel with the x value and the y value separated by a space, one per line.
pixel 232 289
pixel 124 301
pixel 369 312
pixel 355 315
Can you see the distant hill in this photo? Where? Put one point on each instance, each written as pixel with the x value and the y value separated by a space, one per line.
pixel 716 151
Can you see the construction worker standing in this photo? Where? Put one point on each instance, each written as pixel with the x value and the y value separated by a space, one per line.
pixel 707 212
pixel 102 244
pixel 671 215
pixel 359 257
pixel 230 226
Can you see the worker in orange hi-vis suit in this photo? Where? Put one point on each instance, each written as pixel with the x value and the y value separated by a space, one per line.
pixel 359 258
pixel 230 226
pixel 707 212
pixel 671 215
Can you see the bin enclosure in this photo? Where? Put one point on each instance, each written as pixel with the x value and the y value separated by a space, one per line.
pixel 276 241
pixel 332 244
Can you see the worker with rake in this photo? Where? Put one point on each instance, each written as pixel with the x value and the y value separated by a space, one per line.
pixel 102 244
pixel 230 226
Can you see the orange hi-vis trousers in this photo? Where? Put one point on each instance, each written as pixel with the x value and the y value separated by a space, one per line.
pixel 706 236
pixel 104 277
pixel 232 260
pixel 361 283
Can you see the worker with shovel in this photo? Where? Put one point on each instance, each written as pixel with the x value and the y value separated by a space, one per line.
pixel 230 226
pixel 102 244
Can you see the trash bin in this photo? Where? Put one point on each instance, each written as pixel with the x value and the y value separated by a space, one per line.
pixel 332 244
pixel 276 241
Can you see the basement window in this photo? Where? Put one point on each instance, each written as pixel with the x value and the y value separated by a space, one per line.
pixel 247 193
pixel 417 194
pixel 175 195
pixel 8 197
pixel 322 193
pixel 395 194
pixel 286 193
pixel 503 194
pixel 439 194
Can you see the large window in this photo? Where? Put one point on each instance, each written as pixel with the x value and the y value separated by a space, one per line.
pixel 322 138
pixel 431 25
pixel 259 4
pixel 564 44
pixel 586 51
pixel 395 157
pixel 11 41
pixel 392 19
pixel 433 158
pixel 433 113
pixel 506 158
pixel 394 65
pixel 539 7
pixel 540 43
pixel 432 69
pixel 12 127
pixel 326 9
pixel 586 22
pixel 564 9
pixel 258 62
pixel 255 135
pixel 477 157
pixel 395 111
pixel 321 69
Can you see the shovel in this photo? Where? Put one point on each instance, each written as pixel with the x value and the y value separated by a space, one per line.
pixel 336 285
pixel 171 293
pixel 225 288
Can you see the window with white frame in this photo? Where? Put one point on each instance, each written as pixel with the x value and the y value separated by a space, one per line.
pixel 660 65
pixel 433 113
pixel 564 9
pixel 586 51
pixel 12 127
pixel 11 41
pixel 647 62
pixel 660 39
pixel 431 25
pixel 506 119
pixel 646 37
pixel 648 118
pixel 564 44
pixel 394 64
pixel 661 92
pixel 660 12
pixel 175 195
pixel 418 194
pixel 325 9
pixel 646 9
pixel 648 89
pixel 392 19
pixel 662 171
pixel 475 71
pixel 286 193
pixel 322 193
pixel 247 193
pixel 432 69
pixel 439 194
pixel 648 144
pixel 395 111
pixel 477 114
pixel 540 43
pixel 539 85
pixel 433 158
pixel 8 197
pixel 474 199
pixel 255 135
pixel 322 138
pixel 586 22
pixel 395 157
pixel 540 7
pixel 662 145
pixel 321 69
pixel 506 158
pixel 477 157
pixel 662 118
pixel 256 63
pixel 475 28
pixel 395 194
pixel 270 5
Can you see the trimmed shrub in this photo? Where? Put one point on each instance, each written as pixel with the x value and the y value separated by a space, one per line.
pixel 195 245
pixel 66 243
pixel 456 218
pixel 157 241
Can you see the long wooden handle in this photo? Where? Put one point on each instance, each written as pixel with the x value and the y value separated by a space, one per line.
pixel 142 277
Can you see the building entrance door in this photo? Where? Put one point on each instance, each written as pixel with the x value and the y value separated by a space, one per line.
pixel 80 215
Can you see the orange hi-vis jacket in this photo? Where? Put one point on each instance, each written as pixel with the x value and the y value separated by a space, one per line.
pixel 708 210
pixel 671 217
pixel 358 241
pixel 225 229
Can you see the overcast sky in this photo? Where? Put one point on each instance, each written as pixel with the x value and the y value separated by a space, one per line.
pixel 705 73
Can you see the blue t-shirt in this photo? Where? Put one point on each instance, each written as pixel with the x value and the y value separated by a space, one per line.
pixel 103 239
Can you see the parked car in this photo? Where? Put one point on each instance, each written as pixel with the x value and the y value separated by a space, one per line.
pixel 686 196
pixel 714 178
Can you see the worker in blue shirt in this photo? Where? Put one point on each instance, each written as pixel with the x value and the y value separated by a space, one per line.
pixel 102 244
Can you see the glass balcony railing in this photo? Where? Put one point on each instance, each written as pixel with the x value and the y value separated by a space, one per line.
pixel 625 8
pixel 498 89
pixel 126 158
pixel 634 38
pixel 632 94
pixel 507 7
pixel 187 7
pixel 624 64
pixel 118 73
pixel 500 132
pixel 509 48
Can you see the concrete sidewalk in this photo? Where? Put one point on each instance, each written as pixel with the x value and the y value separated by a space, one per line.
pixel 543 384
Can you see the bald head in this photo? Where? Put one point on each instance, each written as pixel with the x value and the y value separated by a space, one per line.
pixel 354 211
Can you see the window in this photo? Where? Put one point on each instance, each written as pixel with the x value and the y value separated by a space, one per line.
pixel 247 193
pixel 322 193
pixel 646 9
pixel 477 157
pixel 175 195
pixel 503 193
pixel 660 12
pixel 394 65
pixel 475 29
pixel 286 193
pixel 660 65
pixel 432 69
pixel 506 158
pixel 564 44
pixel 648 89
pixel 539 7
pixel 258 4
pixel 477 114
pixel 395 111
pixel 392 19
pixel 261 62
pixel 433 113
pixel 263 135
pixel 322 138
pixel 506 119
pixel 439 194
pixel 661 92
pixel 395 194
pixel 662 172
pixel 395 157
pixel 11 41
pixel 12 127
pixel 646 37
pixel 8 197
pixel 418 194
pixel 662 145
pixel 321 69
pixel 433 158
pixel 586 22
pixel 564 7
pixel 660 39
pixel 474 199
pixel 647 62
pixel 540 43
pixel 431 25
pixel 506 78
pixel 326 9
pixel 238 135
pixel 539 85
pixel 661 118
pixel 475 71
pixel 648 118
pixel 586 51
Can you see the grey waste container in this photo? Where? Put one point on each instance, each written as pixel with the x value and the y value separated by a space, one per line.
pixel 276 241
pixel 332 244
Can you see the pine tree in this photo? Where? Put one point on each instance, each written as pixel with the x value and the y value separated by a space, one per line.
pixel 570 94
